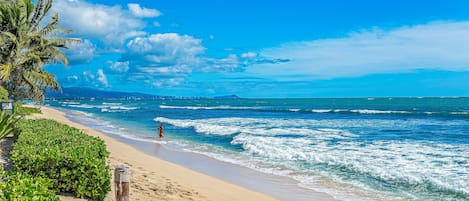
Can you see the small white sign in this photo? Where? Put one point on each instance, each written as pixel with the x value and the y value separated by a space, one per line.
pixel 7 106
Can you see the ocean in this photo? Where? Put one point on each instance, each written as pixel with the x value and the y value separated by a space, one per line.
pixel 352 149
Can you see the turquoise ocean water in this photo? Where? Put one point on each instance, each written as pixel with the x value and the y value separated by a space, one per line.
pixel 353 149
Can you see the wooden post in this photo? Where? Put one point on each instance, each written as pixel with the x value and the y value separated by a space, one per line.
pixel 122 182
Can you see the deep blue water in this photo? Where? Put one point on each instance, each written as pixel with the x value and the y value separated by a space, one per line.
pixel 377 149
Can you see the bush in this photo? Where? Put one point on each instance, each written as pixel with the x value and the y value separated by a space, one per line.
pixel 3 94
pixel 7 124
pixel 25 187
pixel 21 110
pixel 74 161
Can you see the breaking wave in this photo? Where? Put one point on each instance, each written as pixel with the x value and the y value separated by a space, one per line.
pixel 327 148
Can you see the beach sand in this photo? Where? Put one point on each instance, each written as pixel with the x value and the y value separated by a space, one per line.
pixel 156 179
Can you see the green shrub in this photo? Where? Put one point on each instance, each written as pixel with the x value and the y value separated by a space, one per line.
pixel 25 187
pixel 3 94
pixel 21 110
pixel 74 161
pixel 7 124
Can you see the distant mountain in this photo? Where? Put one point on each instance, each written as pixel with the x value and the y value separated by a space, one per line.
pixel 88 93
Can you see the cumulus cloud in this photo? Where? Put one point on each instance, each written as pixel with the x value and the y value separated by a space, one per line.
pixel 163 53
pixel 110 24
pixel 138 11
pixel 167 47
pixel 158 58
pixel 174 53
pixel 101 77
pixel 437 45
pixel 97 79
pixel 80 53
pixel 162 60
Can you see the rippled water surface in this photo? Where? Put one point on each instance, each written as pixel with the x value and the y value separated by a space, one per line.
pixel 354 149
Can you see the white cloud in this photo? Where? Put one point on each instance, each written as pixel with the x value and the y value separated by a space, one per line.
pixel 211 37
pixel 138 11
pixel 168 43
pixel 437 45
pixel 159 57
pixel 174 53
pixel 101 77
pixel 118 38
pixel 110 24
pixel 235 63
pixel 156 24
pixel 72 78
pixel 249 55
pixel 165 70
pixel 89 77
pixel 230 63
pixel 119 67
pixel 80 53
pixel 164 50
pixel 168 82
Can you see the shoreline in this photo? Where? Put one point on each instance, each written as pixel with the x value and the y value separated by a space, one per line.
pixel 194 175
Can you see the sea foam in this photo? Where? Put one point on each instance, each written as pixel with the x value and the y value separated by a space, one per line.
pixel 328 149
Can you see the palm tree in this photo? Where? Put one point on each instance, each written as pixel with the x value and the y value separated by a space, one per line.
pixel 26 45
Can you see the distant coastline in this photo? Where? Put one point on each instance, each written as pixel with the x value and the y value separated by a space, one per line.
pixel 83 93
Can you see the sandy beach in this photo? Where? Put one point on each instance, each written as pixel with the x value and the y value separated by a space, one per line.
pixel 156 179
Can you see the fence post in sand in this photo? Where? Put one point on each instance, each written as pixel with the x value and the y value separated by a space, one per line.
pixel 122 182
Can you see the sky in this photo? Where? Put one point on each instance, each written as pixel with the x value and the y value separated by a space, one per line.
pixel 268 49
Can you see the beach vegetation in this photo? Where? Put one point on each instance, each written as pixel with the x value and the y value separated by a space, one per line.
pixel 27 43
pixel 21 110
pixel 19 186
pixel 3 94
pixel 73 161
pixel 7 124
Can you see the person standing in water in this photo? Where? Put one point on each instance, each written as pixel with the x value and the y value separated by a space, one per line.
pixel 160 130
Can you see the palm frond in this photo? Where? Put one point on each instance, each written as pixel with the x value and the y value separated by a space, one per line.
pixel 42 7
pixel 8 35
pixel 51 26
pixel 63 42
pixel 5 70
pixel 59 56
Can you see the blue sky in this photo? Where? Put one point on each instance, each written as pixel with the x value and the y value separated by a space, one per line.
pixel 254 49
